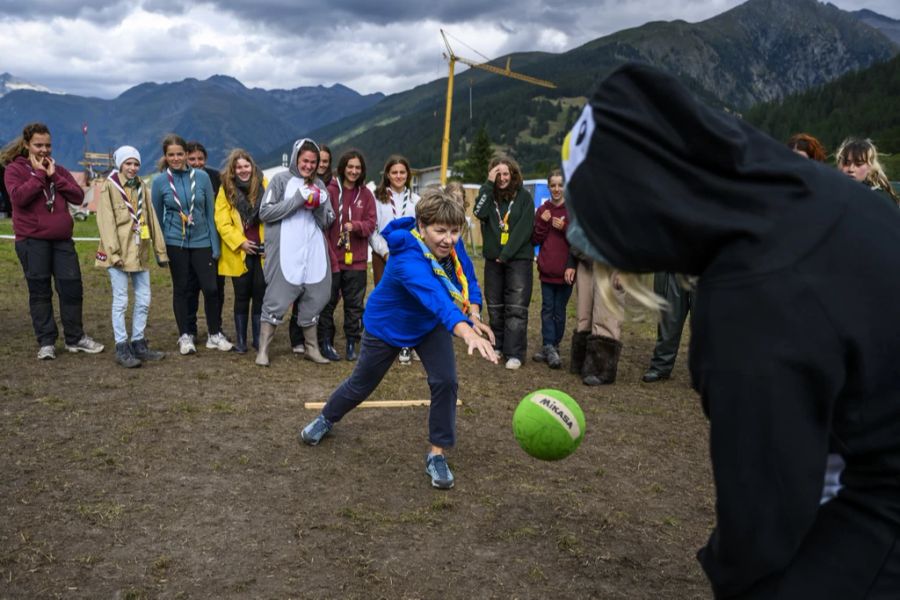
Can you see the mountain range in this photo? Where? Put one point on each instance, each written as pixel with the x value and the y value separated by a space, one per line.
pixel 220 112
pixel 760 51
pixel 8 84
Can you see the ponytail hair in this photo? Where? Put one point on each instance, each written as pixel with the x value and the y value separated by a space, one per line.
pixel 173 139
pixel 19 146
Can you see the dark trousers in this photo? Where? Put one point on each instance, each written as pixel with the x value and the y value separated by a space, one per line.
pixel 352 286
pixel 294 329
pixel 848 553
pixel 220 286
pixel 249 287
pixel 42 260
pixel 554 299
pixel 507 291
pixel 671 321
pixel 376 357
pixel 185 263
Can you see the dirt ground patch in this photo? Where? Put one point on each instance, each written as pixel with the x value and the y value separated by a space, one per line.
pixel 184 479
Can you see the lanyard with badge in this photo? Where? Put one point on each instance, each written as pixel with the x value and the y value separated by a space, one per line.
pixel 504 221
pixel 344 239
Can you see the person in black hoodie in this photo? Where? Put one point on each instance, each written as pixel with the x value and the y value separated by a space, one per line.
pixel 794 334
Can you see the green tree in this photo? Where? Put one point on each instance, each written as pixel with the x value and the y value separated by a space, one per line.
pixel 480 154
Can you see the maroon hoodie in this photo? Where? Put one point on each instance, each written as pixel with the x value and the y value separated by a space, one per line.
pixel 554 250
pixel 28 192
pixel 358 208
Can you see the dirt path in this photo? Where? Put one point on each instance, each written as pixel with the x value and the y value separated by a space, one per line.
pixel 184 479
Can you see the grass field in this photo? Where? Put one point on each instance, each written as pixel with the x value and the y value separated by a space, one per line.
pixel 184 478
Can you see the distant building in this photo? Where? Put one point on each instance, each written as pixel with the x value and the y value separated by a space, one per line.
pixel 422 178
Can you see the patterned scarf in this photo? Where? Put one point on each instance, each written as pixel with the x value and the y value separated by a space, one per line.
pixel 249 212
pixel 187 219
pixel 135 214
pixel 441 274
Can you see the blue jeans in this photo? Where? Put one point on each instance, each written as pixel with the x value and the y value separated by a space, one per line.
pixel 554 298
pixel 141 282
pixel 376 357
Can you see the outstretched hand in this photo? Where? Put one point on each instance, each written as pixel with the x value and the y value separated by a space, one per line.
pixel 474 341
pixel 484 331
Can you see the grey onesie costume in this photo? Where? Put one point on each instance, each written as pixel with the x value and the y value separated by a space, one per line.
pixel 297 264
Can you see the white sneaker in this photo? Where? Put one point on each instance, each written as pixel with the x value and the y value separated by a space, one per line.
pixel 47 353
pixel 405 355
pixel 186 344
pixel 299 349
pixel 85 344
pixel 513 363
pixel 218 341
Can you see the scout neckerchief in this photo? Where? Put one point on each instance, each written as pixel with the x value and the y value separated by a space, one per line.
pixel 344 237
pixel 406 196
pixel 186 219
pixel 442 275
pixel 504 220
pixel 137 226
pixel 49 191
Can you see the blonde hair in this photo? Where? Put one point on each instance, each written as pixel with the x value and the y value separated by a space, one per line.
pixel 229 177
pixel 456 189
pixel 855 149
pixel 608 281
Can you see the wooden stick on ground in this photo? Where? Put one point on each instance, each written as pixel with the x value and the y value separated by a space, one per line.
pixel 379 404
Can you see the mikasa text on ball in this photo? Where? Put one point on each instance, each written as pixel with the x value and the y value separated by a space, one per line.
pixel 548 424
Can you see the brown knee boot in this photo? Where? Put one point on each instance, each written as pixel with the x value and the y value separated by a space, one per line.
pixel 266 333
pixel 594 361
pixel 579 348
pixel 607 352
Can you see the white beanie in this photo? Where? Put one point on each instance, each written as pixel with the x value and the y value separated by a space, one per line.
pixel 124 153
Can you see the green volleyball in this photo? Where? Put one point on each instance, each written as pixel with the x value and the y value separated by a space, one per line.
pixel 548 424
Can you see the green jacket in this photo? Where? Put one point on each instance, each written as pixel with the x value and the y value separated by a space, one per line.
pixel 521 222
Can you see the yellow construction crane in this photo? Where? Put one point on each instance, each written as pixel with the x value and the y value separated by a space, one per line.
pixel 453 58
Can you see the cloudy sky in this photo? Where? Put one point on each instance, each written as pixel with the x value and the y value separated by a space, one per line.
pixel 371 46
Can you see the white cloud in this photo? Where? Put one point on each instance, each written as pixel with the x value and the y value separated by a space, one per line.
pixel 102 52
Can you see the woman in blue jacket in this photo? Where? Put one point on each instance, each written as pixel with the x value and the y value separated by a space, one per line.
pixel 413 306
pixel 185 205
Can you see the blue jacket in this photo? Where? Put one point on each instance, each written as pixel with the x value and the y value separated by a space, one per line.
pixel 203 233
pixel 409 301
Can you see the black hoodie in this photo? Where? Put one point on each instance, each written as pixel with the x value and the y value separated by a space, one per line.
pixel 795 344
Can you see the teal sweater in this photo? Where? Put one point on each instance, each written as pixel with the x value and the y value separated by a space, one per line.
pixel 203 233
pixel 521 222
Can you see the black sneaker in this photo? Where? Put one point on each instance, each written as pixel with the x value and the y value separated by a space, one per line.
pixel 652 376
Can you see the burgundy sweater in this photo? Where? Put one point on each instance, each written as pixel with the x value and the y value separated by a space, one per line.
pixel 28 192
pixel 554 251
pixel 358 208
